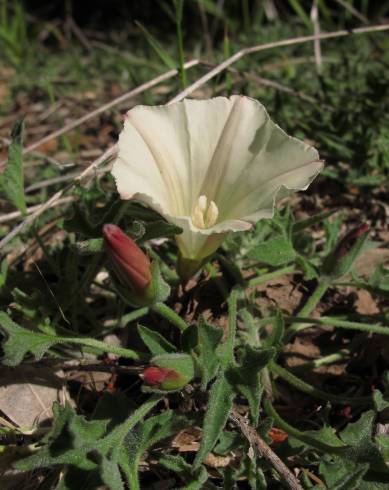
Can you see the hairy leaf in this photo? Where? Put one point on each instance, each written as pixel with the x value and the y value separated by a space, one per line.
pixel 20 341
pixel 155 342
pixel 246 378
pixel 220 401
pixel 275 252
pixel 209 338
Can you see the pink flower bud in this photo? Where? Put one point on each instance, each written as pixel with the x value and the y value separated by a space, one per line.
pixel 130 264
pixel 163 378
pixel 349 240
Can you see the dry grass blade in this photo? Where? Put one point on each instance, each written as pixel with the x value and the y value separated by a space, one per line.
pixel 17 214
pixel 316 42
pixel 276 44
pixel 53 199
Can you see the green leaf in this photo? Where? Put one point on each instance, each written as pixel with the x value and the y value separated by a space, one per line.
pixel 110 474
pixel 159 228
pixel 275 339
pixel 20 341
pixel 361 458
pixel 359 435
pixel 228 441
pixel 300 225
pixel 380 402
pixel 340 477
pixel 96 449
pixel 143 436
pixel 297 7
pixel 276 251
pixel 155 342
pixel 194 479
pixel 209 338
pixel 310 271
pixel 246 378
pixel 219 406
pixel 160 51
pixel 12 179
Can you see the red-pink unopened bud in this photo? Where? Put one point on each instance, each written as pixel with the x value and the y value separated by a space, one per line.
pixel 130 264
pixel 349 239
pixel 163 378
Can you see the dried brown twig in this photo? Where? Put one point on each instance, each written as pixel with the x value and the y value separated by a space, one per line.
pixel 118 100
pixel 262 47
pixel 263 450
pixel 16 214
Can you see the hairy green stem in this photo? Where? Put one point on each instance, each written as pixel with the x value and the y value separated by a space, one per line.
pixel 337 322
pixel 326 360
pixel 256 281
pixel 169 315
pixel 133 315
pixel 102 347
pixel 309 306
pixel 315 392
pixel 298 434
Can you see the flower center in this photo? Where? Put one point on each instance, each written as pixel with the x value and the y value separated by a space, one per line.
pixel 204 215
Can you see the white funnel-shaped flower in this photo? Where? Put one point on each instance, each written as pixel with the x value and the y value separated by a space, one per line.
pixel 210 166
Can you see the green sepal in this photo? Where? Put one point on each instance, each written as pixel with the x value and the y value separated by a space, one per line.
pixel 182 364
pixel 156 292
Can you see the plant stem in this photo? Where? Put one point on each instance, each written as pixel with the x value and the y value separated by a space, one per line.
pixel 324 361
pixel 132 316
pixel 169 315
pixel 101 346
pixel 315 392
pixel 337 322
pixel 298 434
pixel 256 281
pixel 307 309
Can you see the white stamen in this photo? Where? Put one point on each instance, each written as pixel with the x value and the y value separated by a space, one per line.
pixel 204 215
pixel 202 203
pixel 212 214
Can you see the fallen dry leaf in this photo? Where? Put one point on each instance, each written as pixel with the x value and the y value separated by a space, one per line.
pixel 187 440
pixel 27 394
pixel 217 461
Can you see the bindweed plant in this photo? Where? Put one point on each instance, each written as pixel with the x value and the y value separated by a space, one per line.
pixel 208 174
pixel 180 316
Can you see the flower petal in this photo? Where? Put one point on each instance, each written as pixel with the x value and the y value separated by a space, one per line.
pixel 224 151
pixel 165 151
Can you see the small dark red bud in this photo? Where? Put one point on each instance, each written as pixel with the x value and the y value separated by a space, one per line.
pixel 163 378
pixel 349 240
